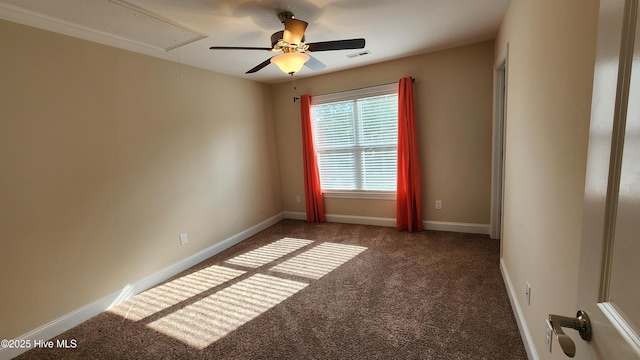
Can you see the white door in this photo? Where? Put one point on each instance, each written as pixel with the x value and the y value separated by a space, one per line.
pixel 609 273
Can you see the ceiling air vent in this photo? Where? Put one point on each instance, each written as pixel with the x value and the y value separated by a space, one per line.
pixel 358 54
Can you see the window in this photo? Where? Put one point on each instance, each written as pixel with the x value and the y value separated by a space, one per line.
pixel 356 139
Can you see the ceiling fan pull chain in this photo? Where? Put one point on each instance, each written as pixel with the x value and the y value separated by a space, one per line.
pixel 293 85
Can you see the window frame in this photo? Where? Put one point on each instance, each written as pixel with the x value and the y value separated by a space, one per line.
pixel 378 90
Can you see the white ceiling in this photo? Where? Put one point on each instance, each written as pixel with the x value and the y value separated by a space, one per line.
pixel 183 30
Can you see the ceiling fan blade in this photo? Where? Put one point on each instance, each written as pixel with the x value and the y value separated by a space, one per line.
pixel 259 66
pixel 337 45
pixel 237 48
pixel 294 31
pixel 314 64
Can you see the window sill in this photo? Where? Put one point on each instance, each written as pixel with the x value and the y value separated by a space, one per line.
pixel 371 195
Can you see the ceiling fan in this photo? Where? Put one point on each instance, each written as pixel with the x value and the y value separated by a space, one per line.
pixel 294 52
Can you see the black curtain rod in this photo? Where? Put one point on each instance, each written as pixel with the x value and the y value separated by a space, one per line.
pixel 413 80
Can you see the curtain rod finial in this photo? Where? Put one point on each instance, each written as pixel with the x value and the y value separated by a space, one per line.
pixel 295 99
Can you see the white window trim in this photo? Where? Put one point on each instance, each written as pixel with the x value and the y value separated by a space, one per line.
pixel 359 194
pixel 385 89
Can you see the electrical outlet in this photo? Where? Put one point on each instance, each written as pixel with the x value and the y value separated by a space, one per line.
pixel 438 204
pixel 527 293
pixel 298 200
pixel 549 334
pixel 183 239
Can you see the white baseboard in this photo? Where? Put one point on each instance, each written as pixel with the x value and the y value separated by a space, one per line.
pixel 60 325
pixel 468 228
pixel 78 316
pixel 345 219
pixel 529 347
pixel 295 215
pixel 361 220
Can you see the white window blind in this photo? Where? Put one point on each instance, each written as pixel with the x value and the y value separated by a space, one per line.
pixel 356 138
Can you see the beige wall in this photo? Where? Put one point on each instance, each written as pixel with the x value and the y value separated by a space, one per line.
pixel 550 75
pixel 106 156
pixel 453 104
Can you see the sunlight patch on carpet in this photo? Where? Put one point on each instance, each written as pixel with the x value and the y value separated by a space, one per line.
pixel 164 296
pixel 319 261
pixel 202 321
pixel 210 319
pixel 269 253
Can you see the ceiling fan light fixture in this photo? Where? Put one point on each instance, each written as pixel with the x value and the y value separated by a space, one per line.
pixel 290 62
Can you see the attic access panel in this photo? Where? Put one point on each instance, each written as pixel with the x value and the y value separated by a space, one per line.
pixel 114 18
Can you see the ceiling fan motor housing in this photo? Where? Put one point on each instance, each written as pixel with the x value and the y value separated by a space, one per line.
pixel 277 36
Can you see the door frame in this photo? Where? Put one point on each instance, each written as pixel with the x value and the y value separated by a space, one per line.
pixel 500 75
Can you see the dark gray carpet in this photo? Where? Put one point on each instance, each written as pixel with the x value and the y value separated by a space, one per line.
pixel 428 295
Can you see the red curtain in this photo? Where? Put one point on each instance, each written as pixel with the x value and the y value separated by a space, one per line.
pixel 312 189
pixel 409 196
